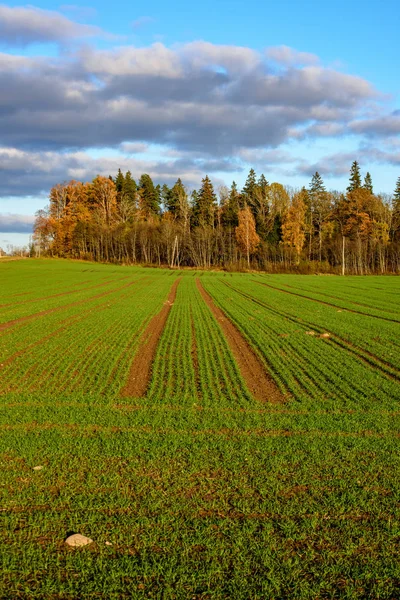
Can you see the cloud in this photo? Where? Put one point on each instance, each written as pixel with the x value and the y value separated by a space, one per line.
pixel 287 56
pixel 203 106
pixel 26 173
pixel 382 126
pixel 11 223
pixel 25 25
pixel 198 96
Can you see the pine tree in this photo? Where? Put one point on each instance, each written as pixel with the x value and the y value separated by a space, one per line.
pixel 205 204
pixel 317 185
pixel 166 197
pixel 368 183
pixel 119 183
pixel 396 207
pixel 129 190
pixel 231 207
pixel 263 185
pixel 150 204
pixel 250 189
pixel 355 177
pixel 396 195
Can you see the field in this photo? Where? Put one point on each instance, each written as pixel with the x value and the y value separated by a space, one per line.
pixel 217 435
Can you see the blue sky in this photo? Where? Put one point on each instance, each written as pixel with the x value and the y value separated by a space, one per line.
pixel 181 89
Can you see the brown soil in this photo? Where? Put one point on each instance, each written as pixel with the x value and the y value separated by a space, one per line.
pixel 260 383
pixel 140 371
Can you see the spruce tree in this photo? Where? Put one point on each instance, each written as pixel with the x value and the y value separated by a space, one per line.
pixel 355 177
pixel 150 204
pixel 119 182
pixel 205 204
pixel 316 185
pixel 263 185
pixel 396 207
pixel 396 195
pixel 368 183
pixel 231 207
pixel 166 197
pixel 129 189
pixel 250 188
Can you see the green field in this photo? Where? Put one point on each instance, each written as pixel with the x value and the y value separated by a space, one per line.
pixel 199 489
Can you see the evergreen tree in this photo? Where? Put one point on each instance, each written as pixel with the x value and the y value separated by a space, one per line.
pixel 316 185
pixel 250 189
pixel 368 183
pixel 129 189
pixel 355 177
pixel 150 204
pixel 396 207
pixel 396 195
pixel 119 182
pixel 166 197
pixel 177 193
pixel 205 204
pixel 263 185
pixel 231 207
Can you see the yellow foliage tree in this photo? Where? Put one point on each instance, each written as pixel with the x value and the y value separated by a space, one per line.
pixel 293 226
pixel 246 235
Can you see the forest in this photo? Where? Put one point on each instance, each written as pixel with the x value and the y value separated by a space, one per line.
pixel 265 226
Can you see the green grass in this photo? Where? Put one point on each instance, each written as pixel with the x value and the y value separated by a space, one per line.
pixel 201 491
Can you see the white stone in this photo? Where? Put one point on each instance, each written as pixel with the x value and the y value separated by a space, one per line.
pixel 38 468
pixel 77 539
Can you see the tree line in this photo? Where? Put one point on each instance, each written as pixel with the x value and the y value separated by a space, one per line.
pixel 263 226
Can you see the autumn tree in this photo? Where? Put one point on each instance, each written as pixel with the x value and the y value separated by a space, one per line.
pixel 293 226
pixel 246 235
pixel 104 198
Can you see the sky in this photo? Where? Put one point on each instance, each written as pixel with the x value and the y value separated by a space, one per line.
pixel 184 89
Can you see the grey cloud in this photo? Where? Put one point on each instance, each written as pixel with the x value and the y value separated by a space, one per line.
pixel 198 96
pixel 34 173
pixel 378 127
pixel 24 25
pixel 10 223
pixel 289 56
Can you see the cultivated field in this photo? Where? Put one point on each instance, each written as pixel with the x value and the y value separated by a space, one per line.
pixel 216 435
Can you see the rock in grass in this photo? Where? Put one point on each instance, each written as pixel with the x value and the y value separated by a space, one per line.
pixel 38 468
pixel 325 335
pixel 77 540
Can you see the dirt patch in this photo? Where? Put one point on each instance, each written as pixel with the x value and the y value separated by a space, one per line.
pixel 260 384
pixel 140 371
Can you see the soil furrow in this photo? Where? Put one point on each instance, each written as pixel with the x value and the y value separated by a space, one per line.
pixel 259 383
pixel 140 371
pixel 386 368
